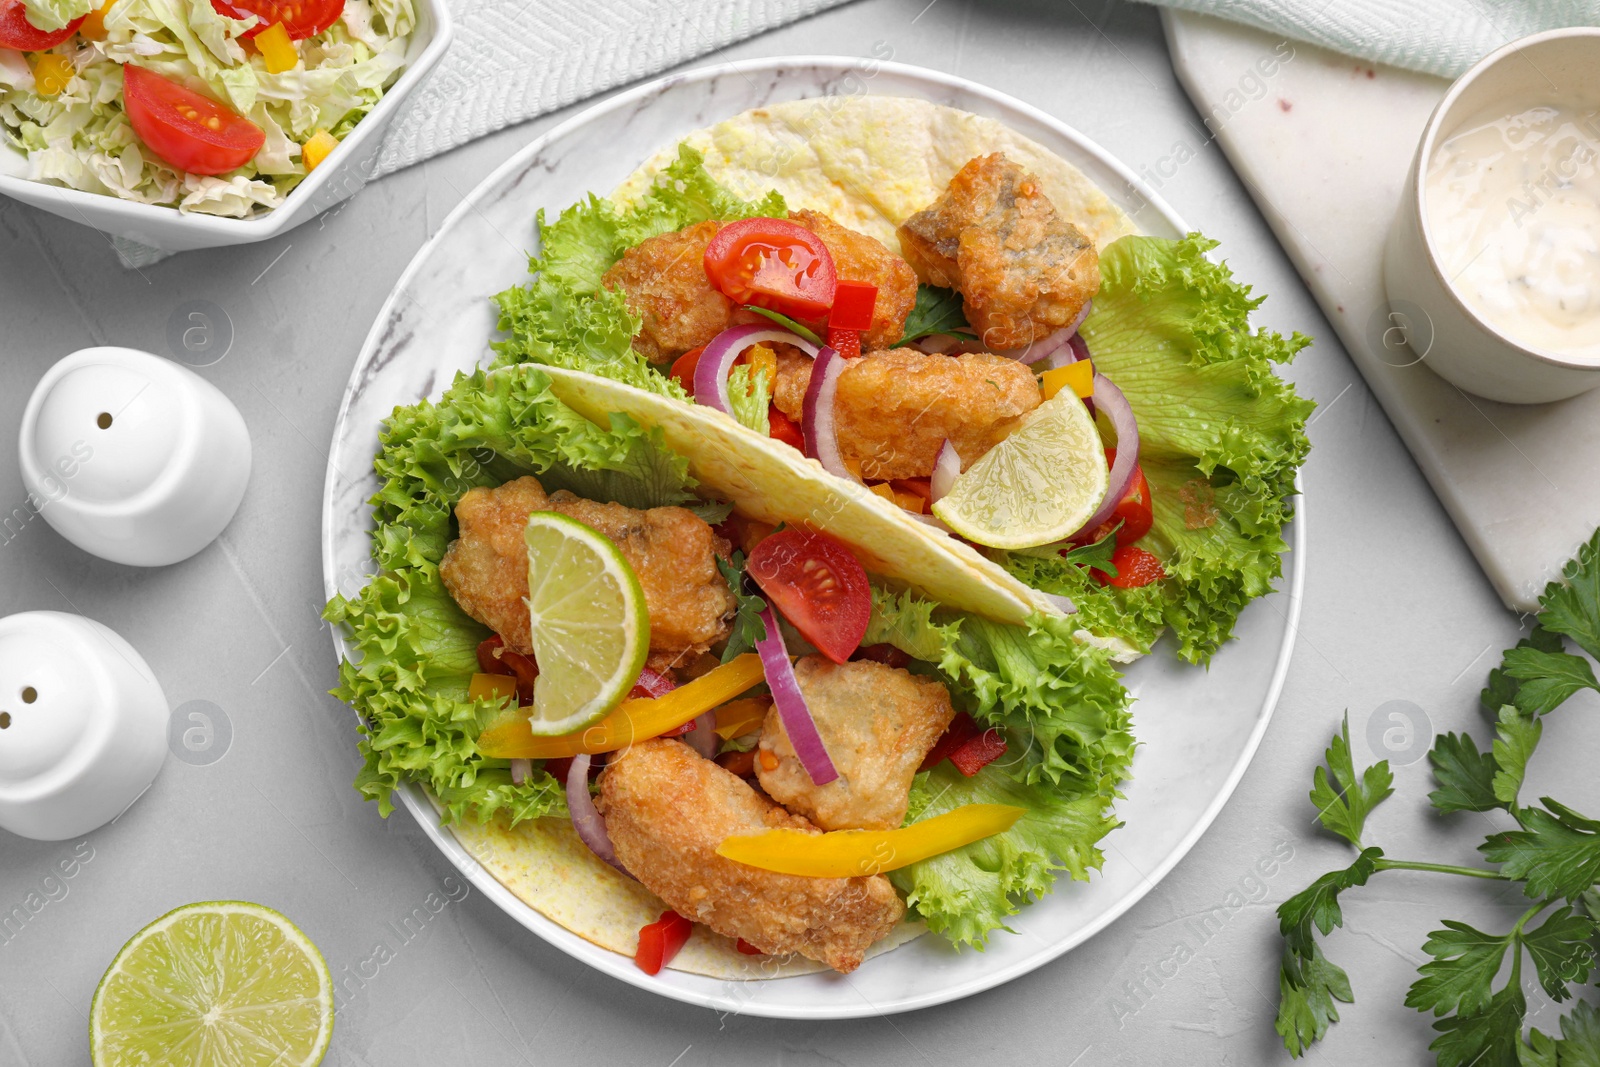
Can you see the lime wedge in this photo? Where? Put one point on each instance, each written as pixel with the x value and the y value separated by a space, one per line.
pixel 591 630
pixel 224 984
pixel 1040 484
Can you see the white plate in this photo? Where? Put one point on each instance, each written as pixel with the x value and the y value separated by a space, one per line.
pixel 1198 728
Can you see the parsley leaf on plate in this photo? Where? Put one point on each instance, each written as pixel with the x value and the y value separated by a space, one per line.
pixel 1465 775
pixel 747 627
pixel 936 311
pixel 1514 743
pixel 1343 801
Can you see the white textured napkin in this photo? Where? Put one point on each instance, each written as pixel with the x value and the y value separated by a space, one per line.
pixel 1442 37
pixel 513 60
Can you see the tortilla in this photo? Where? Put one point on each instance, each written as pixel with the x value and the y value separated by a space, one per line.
pixel 870 163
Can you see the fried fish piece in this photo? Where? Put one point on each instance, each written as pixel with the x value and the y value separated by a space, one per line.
pixel 878 724
pixel 860 258
pixel 667 809
pixel 672 550
pixel 664 282
pixel 893 410
pixel 1022 270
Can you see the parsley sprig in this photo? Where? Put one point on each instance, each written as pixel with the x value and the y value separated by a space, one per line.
pixel 1552 852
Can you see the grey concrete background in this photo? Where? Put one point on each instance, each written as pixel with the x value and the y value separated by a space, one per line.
pixel 1394 610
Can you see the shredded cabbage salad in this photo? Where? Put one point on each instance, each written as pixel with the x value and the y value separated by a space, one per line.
pixel 80 137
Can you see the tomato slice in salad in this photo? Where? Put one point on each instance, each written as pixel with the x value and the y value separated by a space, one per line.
pixel 772 263
pixel 818 585
pixel 18 33
pixel 1135 568
pixel 1133 511
pixel 302 18
pixel 187 130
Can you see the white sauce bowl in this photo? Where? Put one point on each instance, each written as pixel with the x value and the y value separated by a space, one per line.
pixel 1462 345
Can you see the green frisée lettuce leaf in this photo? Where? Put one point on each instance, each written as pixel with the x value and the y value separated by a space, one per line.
pixel 81 137
pixel 414 650
pixel 1069 742
pixel 564 317
pixel 967 894
pixel 1221 437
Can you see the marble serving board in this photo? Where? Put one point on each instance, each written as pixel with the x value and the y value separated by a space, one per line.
pixel 1323 143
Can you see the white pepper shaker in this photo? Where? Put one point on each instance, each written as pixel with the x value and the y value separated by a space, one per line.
pixel 132 457
pixel 83 725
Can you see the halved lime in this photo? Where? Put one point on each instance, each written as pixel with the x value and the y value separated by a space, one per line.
pixel 1040 484
pixel 591 630
pixel 221 984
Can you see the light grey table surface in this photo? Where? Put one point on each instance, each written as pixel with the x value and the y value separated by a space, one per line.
pixel 1394 610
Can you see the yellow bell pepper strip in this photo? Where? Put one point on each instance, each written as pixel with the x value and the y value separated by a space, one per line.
pixel 276 48
pixel 51 73
pixel 314 151
pixel 633 720
pixel 853 853
pixel 906 501
pixel 1079 377
pixel 93 26
pixel 738 717
pixel 492 687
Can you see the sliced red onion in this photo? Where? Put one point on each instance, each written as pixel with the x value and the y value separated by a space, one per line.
pixel 821 434
pixel 1039 350
pixel 946 468
pixel 1083 313
pixel 520 769
pixel 586 818
pixel 1068 354
pixel 1115 405
pixel 1080 348
pixel 703 737
pixel 711 373
pixel 1064 603
pixel 791 703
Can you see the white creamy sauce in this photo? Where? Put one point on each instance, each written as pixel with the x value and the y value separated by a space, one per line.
pixel 1513 205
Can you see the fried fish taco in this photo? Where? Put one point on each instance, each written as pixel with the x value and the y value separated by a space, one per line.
pixel 947 317
pixel 702 704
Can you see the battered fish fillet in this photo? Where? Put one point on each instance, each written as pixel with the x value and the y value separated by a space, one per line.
pixel 671 550
pixel 878 724
pixel 667 809
pixel 859 258
pixel 894 409
pixel 1022 270
pixel 664 282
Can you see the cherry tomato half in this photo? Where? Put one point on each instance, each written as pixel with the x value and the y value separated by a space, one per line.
pixel 187 130
pixel 17 32
pixel 772 263
pixel 818 585
pixel 1135 567
pixel 302 18
pixel 683 368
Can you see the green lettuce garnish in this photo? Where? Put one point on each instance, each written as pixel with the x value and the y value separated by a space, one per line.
pixel 564 318
pixel 415 650
pixel 1221 438
pixel 1069 745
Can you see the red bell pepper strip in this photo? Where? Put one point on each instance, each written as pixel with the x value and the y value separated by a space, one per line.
pixel 661 940
pixel 853 304
pixel 746 948
pixel 978 752
pixel 781 427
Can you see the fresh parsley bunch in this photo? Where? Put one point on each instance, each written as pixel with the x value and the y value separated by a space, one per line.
pixel 1553 853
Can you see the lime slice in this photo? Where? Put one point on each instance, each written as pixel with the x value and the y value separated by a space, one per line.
pixel 224 984
pixel 1040 484
pixel 591 630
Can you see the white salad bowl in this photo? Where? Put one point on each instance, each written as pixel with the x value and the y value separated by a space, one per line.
pixel 1197 727
pixel 343 174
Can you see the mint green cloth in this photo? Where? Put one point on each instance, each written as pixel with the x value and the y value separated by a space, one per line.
pixel 1442 37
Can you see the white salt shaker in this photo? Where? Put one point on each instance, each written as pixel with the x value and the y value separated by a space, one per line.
pixel 83 725
pixel 133 458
